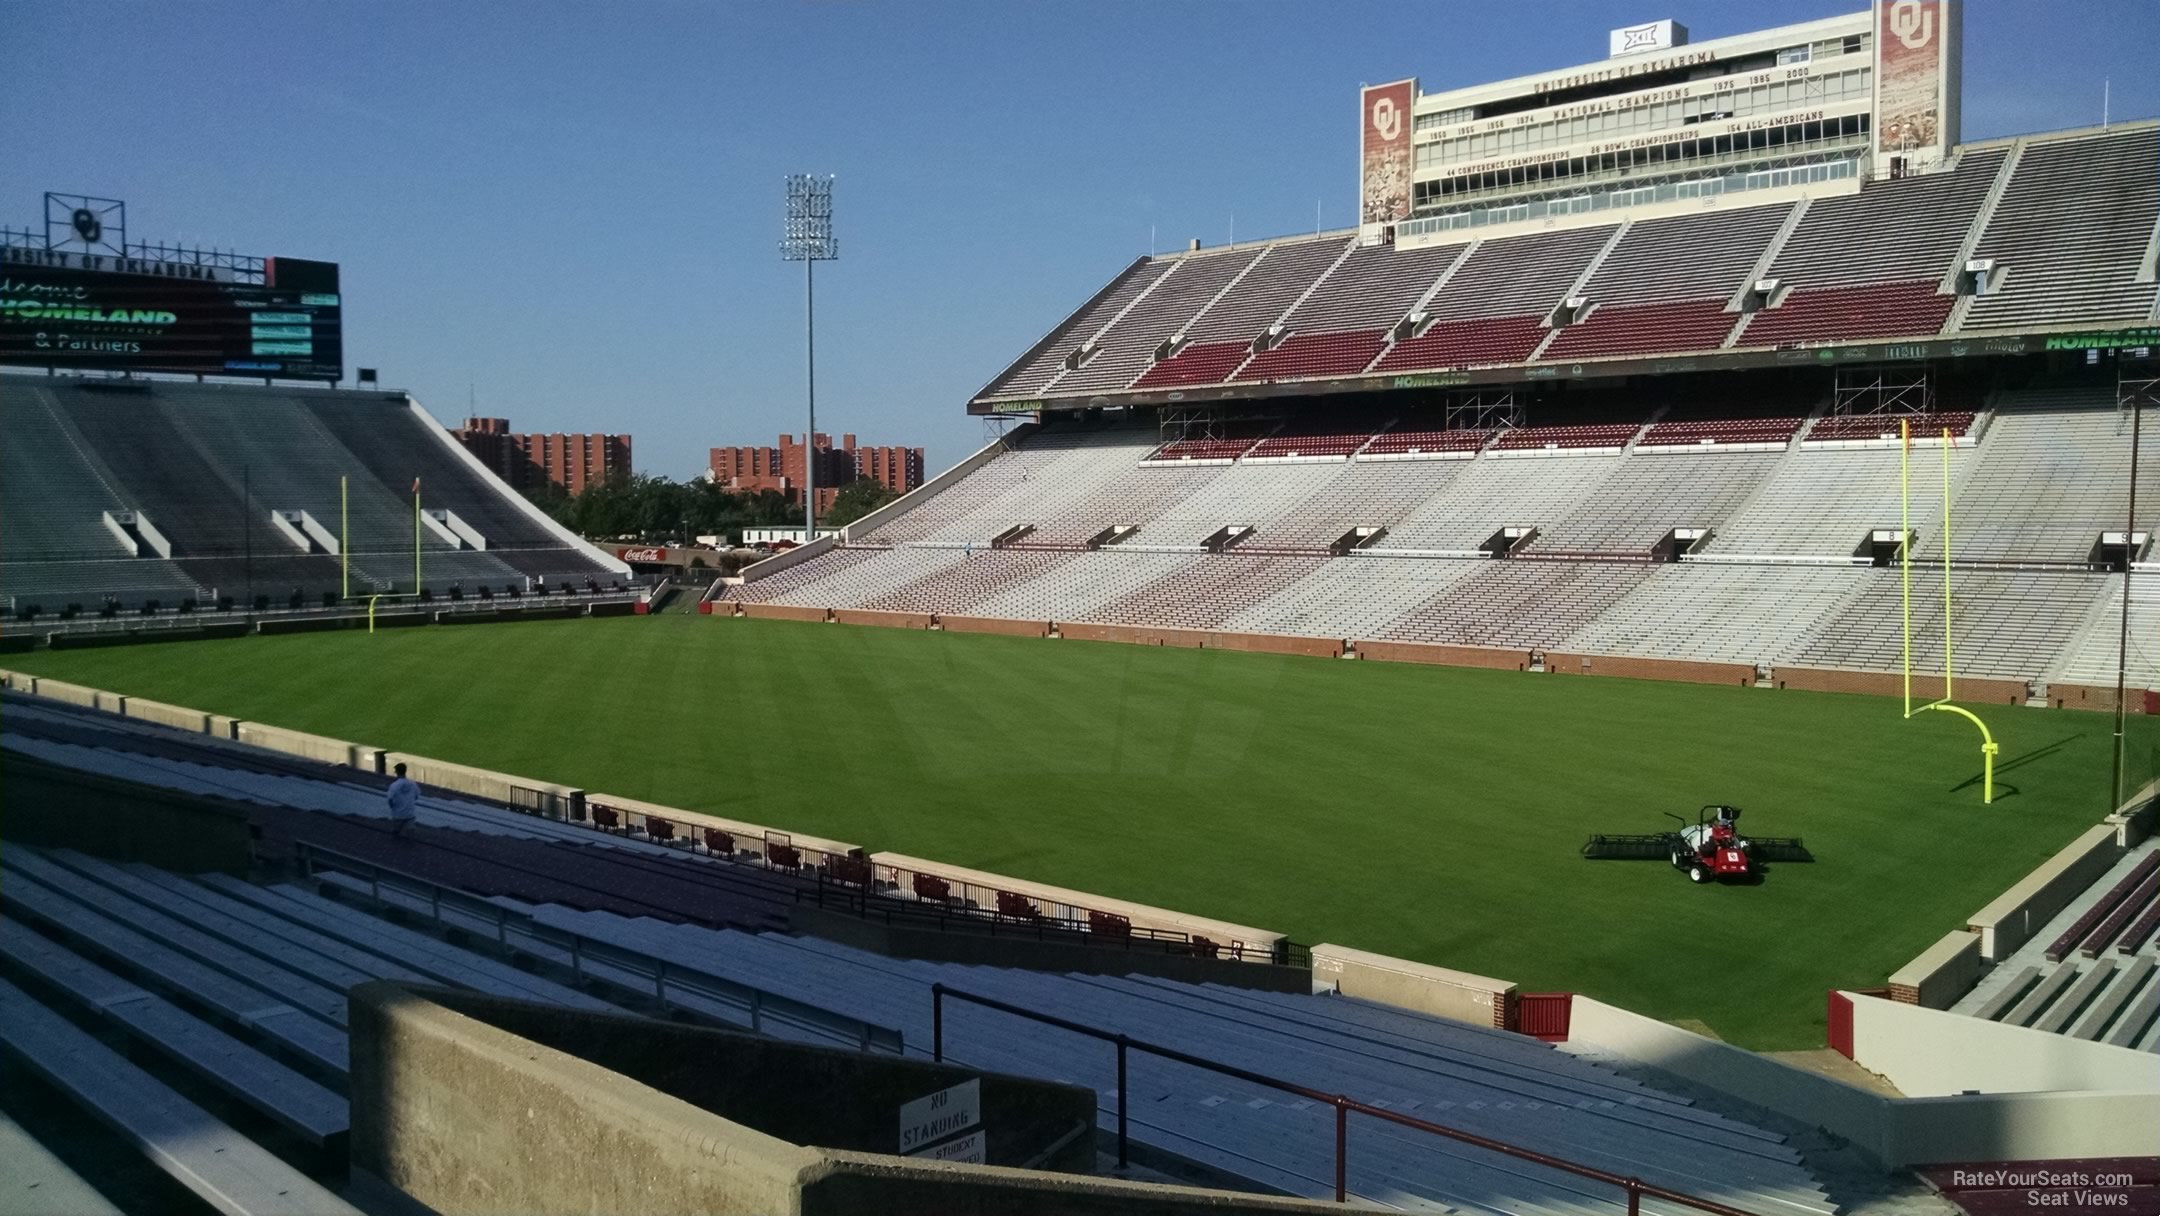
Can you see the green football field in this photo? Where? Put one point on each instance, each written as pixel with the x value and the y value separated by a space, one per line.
pixel 1425 812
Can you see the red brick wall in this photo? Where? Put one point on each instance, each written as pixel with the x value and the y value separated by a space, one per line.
pixel 2093 696
pixel 1680 670
pixel 1137 635
pixel 783 612
pixel 891 620
pixel 1449 656
pixel 1277 643
pixel 1971 689
pixel 993 624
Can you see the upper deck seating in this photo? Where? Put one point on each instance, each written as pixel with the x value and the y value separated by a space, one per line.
pixel 1341 326
pixel 2073 232
pixel 1222 337
pixel 1125 350
pixel 1666 285
pixel 1033 371
pixel 1910 307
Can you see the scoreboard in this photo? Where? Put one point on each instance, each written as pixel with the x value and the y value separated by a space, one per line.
pixel 127 314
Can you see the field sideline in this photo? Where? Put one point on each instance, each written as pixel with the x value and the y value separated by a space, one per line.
pixel 1425 812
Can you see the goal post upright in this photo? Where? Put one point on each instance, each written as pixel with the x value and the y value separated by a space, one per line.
pixel 1905 549
pixel 1946 564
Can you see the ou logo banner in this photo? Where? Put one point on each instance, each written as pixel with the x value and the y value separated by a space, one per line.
pixel 1386 119
pixel 1913 22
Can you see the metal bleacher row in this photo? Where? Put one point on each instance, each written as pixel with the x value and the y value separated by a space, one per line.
pixel 2037 475
pixel 208 466
pixel 2066 220
pixel 229 995
pixel 2093 972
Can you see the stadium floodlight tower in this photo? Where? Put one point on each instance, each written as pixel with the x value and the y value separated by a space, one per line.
pixel 809 240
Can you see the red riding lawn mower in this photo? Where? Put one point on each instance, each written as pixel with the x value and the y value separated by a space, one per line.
pixel 1709 850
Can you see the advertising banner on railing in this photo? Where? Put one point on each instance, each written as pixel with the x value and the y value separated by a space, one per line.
pixel 1916 83
pixel 1384 156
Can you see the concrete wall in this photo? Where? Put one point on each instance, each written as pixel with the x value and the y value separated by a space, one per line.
pixel 320 748
pixel 1930 1053
pixel 68 694
pixel 988 944
pixel 2024 1127
pixel 1893 1132
pixel 479 782
pixel 2133 821
pixel 1941 974
pixel 1855 1114
pixel 823 1096
pixel 855 1184
pixel 1457 995
pixel 475 1105
pixel 1141 915
pixel 179 717
pixel 66 808
pixel 2014 916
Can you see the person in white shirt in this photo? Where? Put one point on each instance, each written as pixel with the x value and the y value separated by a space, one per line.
pixel 404 799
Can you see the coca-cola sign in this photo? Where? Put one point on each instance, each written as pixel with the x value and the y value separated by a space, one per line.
pixel 642 555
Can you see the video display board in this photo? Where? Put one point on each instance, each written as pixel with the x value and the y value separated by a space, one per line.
pixel 125 314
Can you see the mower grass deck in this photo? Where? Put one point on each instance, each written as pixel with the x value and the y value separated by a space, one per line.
pixel 1426 812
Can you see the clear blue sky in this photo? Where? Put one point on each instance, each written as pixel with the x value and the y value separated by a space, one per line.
pixel 574 207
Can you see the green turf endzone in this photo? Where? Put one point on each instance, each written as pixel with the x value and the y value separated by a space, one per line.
pixel 1425 812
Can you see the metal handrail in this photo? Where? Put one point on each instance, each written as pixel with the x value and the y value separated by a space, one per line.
pixel 1344 1106
pixel 760 1004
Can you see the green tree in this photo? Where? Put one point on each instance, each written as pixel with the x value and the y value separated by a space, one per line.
pixel 657 509
pixel 855 500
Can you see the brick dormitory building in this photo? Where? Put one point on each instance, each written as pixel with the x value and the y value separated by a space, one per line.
pixel 526 461
pixel 781 467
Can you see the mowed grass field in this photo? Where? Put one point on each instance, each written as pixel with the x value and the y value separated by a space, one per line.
pixel 1425 812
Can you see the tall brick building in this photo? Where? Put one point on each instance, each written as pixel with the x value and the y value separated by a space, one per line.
pixel 528 460
pixel 898 469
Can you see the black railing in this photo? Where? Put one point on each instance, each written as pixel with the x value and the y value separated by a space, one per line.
pixel 1635 1188
pixel 670 982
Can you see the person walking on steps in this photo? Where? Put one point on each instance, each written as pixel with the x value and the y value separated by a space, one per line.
pixel 404 798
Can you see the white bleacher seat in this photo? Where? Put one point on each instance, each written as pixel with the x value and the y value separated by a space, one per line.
pixel 33 1182
pixel 1498 1084
pixel 171 972
pixel 302 1106
pixel 229 1171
